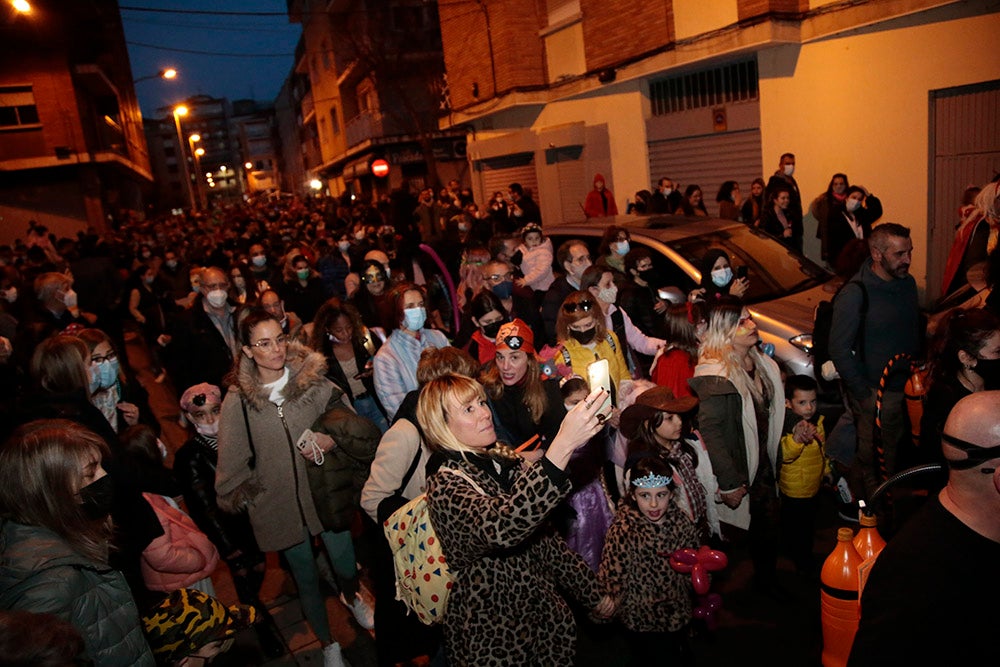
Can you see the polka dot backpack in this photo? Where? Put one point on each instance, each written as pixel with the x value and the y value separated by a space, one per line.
pixel 423 580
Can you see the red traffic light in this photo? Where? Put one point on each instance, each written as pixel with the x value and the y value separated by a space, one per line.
pixel 380 168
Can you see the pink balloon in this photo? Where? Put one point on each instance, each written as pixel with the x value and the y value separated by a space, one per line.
pixel 679 566
pixel 700 579
pixel 687 556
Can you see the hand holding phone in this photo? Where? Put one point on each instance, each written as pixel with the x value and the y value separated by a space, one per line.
pixel 599 376
pixel 741 272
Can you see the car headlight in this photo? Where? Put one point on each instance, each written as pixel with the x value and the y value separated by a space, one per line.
pixel 803 341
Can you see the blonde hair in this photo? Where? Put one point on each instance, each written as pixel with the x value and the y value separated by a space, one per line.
pixel 717 344
pixel 432 409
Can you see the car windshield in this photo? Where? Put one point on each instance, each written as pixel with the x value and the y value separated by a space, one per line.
pixel 774 270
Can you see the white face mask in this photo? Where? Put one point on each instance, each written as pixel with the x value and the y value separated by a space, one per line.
pixel 217 298
pixel 853 205
pixel 210 430
pixel 10 295
pixel 344 246
pixel 69 298
pixel 789 169
pixel 608 295
pixel 722 277
pixel 666 191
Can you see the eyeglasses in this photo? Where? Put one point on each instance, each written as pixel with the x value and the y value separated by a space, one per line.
pixel 373 278
pixel 581 259
pixel 513 342
pixel 585 305
pixel 268 344
pixel 498 277
pixel 110 356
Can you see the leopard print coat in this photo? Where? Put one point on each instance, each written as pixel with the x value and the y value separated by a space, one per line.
pixel 505 610
pixel 635 569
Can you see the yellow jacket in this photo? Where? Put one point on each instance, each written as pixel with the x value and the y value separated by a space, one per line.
pixel 802 466
pixel 580 356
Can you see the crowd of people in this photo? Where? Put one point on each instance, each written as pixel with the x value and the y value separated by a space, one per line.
pixel 332 360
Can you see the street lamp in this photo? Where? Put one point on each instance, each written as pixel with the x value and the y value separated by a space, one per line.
pixel 196 153
pixel 181 110
pixel 21 6
pixel 167 73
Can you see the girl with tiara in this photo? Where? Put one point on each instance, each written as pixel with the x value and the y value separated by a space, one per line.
pixel 653 601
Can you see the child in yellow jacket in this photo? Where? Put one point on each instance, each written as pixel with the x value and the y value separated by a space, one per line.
pixel 803 465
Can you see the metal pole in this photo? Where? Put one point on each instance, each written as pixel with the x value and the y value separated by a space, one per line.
pixel 184 162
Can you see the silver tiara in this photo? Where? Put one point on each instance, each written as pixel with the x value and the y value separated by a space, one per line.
pixel 651 481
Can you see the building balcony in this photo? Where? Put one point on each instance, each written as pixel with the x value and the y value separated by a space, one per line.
pixel 366 125
pixel 308 107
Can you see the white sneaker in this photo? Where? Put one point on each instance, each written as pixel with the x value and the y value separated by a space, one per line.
pixel 332 656
pixel 363 612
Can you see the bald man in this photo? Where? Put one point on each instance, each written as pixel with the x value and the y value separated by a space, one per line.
pixel 933 597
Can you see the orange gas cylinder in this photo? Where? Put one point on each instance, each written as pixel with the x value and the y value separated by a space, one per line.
pixel 868 542
pixel 839 608
pixel 916 388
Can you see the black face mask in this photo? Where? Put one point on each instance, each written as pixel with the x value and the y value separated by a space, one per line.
pixel 584 337
pixel 648 276
pixel 989 370
pixel 492 329
pixel 98 497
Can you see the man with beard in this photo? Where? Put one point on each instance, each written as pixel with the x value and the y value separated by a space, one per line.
pixel 875 317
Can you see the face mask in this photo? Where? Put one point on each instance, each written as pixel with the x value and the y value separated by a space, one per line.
pixel 853 205
pixel 163 449
pixel 95 378
pixel 146 255
pixel 359 236
pixel 284 322
pixel 503 290
pixel 648 275
pixel 492 329
pixel 259 260
pixel 149 280
pixel 584 337
pixel 622 247
pixel 789 169
pixel 568 406
pixel 666 191
pixel 463 227
pixel 217 298
pixel 344 246
pixel 518 213
pixel 303 274
pixel 333 339
pixel 10 295
pixel 608 295
pixel 241 283
pixel 414 318
pixel 171 264
pixel 69 298
pixel 107 373
pixel 98 497
pixel 722 277
pixel 989 370
pixel 208 430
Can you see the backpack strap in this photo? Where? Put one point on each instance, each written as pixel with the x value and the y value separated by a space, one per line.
pixel 611 341
pixel 252 461
pixel 464 475
pixel 859 340
pixel 412 469
pixel 565 355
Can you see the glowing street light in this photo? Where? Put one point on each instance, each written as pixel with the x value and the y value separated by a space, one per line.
pixel 199 151
pixel 316 184
pixel 181 110
pixel 167 73
pixel 22 6
pixel 196 154
pixel 248 165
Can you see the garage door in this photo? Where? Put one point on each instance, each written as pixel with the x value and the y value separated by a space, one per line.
pixel 499 172
pixel 708 161
pixel 965 130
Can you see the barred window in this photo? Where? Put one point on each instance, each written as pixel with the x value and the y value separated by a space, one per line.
pixel 17 106
pixel 736 82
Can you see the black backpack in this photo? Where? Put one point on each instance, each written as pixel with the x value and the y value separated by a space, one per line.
pixel 822 323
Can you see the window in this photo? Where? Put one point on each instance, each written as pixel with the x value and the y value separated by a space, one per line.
pixel 17 106
pixel 334 122
pixel 730 83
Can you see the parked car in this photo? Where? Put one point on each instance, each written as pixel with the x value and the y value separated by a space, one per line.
pixel 785 286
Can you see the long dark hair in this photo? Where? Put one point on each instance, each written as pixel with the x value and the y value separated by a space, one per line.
pixel 961 330
pixel 40 478
pixel 645 438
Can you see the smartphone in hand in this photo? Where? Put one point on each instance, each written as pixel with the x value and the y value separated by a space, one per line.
pixel 599 376
pixel 741 272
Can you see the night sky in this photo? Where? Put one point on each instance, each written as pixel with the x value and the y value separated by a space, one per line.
pixel 258 76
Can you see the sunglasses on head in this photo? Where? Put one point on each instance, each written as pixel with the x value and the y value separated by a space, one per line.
pixel 373 278
pixel 585 305
pixel 199 400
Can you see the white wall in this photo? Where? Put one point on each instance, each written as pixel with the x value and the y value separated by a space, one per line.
pixel 859 104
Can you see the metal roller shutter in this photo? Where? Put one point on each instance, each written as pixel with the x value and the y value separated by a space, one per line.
pixel 499 173
pixel 966 151
pixel 708 161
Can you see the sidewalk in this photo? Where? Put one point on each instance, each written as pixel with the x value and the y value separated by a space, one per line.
pixel 278 591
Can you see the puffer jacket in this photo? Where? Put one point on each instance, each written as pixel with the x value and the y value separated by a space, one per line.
pixel 41 573
pixel 181 556
pixel 276 493
pixel 336 485
pixel 802 465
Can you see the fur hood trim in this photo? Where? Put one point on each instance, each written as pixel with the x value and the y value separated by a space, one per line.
pixel 306 368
